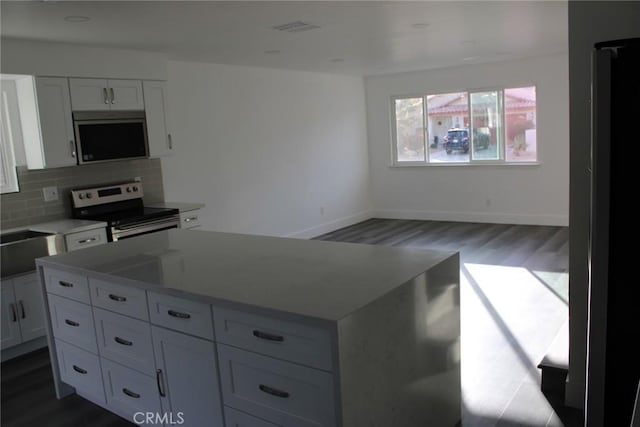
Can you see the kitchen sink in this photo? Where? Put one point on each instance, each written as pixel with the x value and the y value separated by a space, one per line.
pixel 19 249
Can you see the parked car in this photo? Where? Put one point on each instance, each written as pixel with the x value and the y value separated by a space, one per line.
pixel 456 139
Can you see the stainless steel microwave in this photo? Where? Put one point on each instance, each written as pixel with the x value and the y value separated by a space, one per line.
pixel 103 136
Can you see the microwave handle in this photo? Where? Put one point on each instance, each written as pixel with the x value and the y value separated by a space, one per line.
pixel 72 145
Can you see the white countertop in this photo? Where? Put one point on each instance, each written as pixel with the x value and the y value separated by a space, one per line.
pixel 182 207
pixel 323 280
pixel 66 226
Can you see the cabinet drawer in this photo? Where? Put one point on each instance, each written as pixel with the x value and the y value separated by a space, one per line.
pixel 128 391
pixel 85 239
pixel 190 219
pixel 182 315
pixel 236 418
pixel 68 285
pixel 277 391
pixel 281 339
pixel 80 369
pixel 72 321
pixel 118 298
pixel 124 340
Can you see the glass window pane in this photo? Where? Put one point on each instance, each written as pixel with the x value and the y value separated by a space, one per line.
pixel 447 127
pixel 410 129
pixel 486 129
pixel 520 123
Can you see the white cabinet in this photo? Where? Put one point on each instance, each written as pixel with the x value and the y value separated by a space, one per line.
pixel 49 141
pixel 22 310
pixel 190 219
pixel 187 376
pixel 9 321
pixel 156 110
pixel 85 239
pixel 103 94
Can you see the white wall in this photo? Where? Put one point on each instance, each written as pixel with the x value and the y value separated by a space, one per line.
pixel 589 22
pixel 269 151
pixel 516 194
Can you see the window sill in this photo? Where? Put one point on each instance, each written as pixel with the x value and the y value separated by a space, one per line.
pixel 460 164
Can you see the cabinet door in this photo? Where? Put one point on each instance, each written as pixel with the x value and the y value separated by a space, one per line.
pixel 56 123
pixel 187 377
pixel 89 94
pixel 126 95
pixel 155 105
pixel 30 306
pixel 9 321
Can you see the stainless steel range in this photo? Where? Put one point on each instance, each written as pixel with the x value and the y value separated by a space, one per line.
pixel 120 206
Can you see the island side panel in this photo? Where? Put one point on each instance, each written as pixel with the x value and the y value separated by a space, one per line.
pixel 400 355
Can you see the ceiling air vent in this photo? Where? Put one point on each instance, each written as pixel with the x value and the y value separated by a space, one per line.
pixel 295 27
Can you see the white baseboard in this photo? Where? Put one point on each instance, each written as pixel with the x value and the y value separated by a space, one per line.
pixel 484 217
pixel 331 226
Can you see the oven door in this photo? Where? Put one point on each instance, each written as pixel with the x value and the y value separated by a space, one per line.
pixel 106 140
pixel 144 227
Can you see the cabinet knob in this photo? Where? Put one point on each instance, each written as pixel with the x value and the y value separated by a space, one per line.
pixel 72 145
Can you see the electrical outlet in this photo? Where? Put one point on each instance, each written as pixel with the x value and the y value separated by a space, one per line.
pixel 50 194
pixel 137 179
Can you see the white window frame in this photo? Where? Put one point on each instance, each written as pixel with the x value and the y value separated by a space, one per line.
pixel 502 149
pixel 7 153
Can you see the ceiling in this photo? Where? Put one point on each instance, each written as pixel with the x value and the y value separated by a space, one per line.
pixel 362 37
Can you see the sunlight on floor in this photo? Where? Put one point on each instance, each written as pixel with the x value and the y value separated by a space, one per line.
pixel 510 317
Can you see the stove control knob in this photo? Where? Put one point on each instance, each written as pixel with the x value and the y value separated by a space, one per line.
pixel 128 189
pixel 80 196
pixel 89 195
pixel 135 188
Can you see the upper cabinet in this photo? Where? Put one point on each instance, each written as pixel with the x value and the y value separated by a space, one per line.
pixel 155 105
pixel 103 94
pixel 47 126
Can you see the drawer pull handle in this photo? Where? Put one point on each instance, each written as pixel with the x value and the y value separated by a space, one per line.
pixel 92 239
pixel 66 284
pixel 71 323
pixel 79 370
pixel 117 298
pixel 193 218
pixel 130 393
pixel 122 341
pixel 273 391
pixel 14 316
pixel 267 336
pixel 23 312
pixel 179 315
pixel 160 382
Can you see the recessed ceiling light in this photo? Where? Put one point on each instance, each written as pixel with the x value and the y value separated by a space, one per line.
pixel 470 58
pixel 420 25
pixel 337 60
pixel 467 42
pixel 77 18
pixel 272 51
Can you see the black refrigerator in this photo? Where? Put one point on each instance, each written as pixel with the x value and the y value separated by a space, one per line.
pixel 613 359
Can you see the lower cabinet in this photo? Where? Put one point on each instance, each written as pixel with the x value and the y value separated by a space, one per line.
pixel 128 391
pixel 187 376
pixel 236 418
pixel 22 310
pixel 81 370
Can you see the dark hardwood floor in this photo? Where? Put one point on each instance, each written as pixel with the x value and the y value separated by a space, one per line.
pixel 514 301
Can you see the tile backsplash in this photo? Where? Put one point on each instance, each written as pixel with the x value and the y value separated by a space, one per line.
pixel 28 206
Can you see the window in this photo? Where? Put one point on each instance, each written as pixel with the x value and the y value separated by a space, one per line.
pixel 468 127
pixel 8 176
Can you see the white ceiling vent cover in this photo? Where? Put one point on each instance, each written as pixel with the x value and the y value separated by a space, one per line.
pixel 295 27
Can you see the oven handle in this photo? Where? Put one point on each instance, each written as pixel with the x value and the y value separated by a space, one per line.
pixel 121 232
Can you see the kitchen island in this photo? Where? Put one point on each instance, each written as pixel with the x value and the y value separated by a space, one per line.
pixel 205 328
